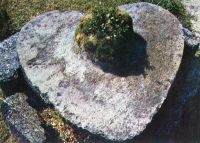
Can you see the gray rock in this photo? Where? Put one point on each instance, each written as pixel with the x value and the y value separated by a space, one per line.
pixel 187 90
pixel 22 120
pixel 191 42
pixel 8 58
pixel 193 6
pixel 187 32
pixel 191 46
pixel 118 108
pixel 177 120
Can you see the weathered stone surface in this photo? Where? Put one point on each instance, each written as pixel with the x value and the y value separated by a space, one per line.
pixel 193 6
pixel 187 32
pixel 8 58
pixel 22 120
pixel 175 112
pixel 191 45
pixel 177 120
pixel 191 42
pixel 103 103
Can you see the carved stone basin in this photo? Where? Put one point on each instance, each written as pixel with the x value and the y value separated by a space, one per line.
pixel 115 107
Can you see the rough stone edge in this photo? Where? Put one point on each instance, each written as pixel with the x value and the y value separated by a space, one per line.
pixel 9 41
pixel 20 137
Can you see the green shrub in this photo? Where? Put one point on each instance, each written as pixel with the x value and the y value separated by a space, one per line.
pixel 177 8
pixel 106 34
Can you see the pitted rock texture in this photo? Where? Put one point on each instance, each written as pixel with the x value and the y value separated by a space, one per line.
pixel 173 116
pixel 22 120
pixel 177 120
pixel 193 6
pixel 8 58
pixel 118 108
pixel 192 43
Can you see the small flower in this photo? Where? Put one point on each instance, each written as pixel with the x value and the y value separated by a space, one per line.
pixel 90 32
pixel 108 38
pixel 91 9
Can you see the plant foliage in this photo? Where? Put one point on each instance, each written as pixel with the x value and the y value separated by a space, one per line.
pixel 21 11
pixel 177 8
pixel 106 34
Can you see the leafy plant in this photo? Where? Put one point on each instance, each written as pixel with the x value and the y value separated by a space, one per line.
pixel 106 33
pixel 177 8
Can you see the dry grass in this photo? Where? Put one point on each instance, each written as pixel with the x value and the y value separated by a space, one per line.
pixel 64 131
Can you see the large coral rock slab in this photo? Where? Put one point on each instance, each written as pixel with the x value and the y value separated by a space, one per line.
pixel 118 108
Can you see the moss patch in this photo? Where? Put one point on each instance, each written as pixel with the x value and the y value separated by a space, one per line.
pixel 106 34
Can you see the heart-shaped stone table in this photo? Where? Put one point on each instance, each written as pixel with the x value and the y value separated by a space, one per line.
pixel 116 107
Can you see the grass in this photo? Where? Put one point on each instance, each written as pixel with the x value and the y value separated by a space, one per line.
pixel 59 130
pixel 14 14
pixel 64 132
